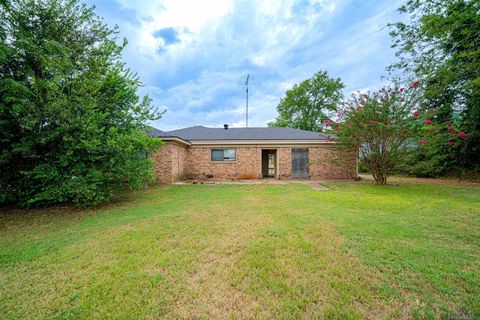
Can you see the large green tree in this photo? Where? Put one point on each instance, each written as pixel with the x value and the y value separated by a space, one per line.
pixel 72 124
pixel 439 43
pixel 308 104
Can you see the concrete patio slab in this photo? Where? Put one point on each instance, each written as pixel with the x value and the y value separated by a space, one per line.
pixel 316 185
pixel 313 184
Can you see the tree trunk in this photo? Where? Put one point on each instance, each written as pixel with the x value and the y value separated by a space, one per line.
pixel 380 179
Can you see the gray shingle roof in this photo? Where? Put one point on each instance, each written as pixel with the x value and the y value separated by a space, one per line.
pixel 266 133
pixel 152 132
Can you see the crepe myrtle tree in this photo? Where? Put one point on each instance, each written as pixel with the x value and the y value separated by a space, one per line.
pixel 385 124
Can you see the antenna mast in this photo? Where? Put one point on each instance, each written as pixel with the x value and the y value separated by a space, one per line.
pixel 246 100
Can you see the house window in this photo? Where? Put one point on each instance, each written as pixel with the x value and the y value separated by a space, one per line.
pixel 223 154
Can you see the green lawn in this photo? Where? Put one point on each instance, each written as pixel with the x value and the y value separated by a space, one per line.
pixel 248 251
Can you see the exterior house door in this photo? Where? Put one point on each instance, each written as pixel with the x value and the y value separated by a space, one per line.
pixel 300 163
pixel 269 160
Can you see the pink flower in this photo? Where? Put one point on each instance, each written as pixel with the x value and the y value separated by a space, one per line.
pixel 422 141
pixel 401 89
pixel 462 135
pixel 415 115
pixel 373 121
pixel 414 85
pixel 328 122
pixel 428 121
pixel 451 129
pixel 450 143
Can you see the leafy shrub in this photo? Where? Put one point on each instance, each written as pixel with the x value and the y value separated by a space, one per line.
pixel 73 127
pixel 362 167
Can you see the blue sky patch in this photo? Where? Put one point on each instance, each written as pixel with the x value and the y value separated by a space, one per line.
pixel 169 35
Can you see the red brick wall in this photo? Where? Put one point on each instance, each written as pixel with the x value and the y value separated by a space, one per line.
pixel 246 166
pixel 179 162
pixel 169 162
pixel 175 162
pixel 284 163
pixel 327 162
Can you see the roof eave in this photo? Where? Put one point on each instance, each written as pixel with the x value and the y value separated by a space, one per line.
pixel 262 142
pixel 175 139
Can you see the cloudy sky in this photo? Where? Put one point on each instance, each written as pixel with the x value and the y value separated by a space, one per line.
pixel 193 56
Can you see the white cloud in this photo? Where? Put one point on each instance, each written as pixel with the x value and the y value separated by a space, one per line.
pixel 280 42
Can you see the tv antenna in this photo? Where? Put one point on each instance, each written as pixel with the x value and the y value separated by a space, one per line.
pixel 246 100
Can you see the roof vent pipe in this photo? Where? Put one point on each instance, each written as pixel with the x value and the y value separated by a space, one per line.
pixel 225 126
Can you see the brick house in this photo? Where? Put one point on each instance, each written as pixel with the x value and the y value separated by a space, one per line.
pixel 249 153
